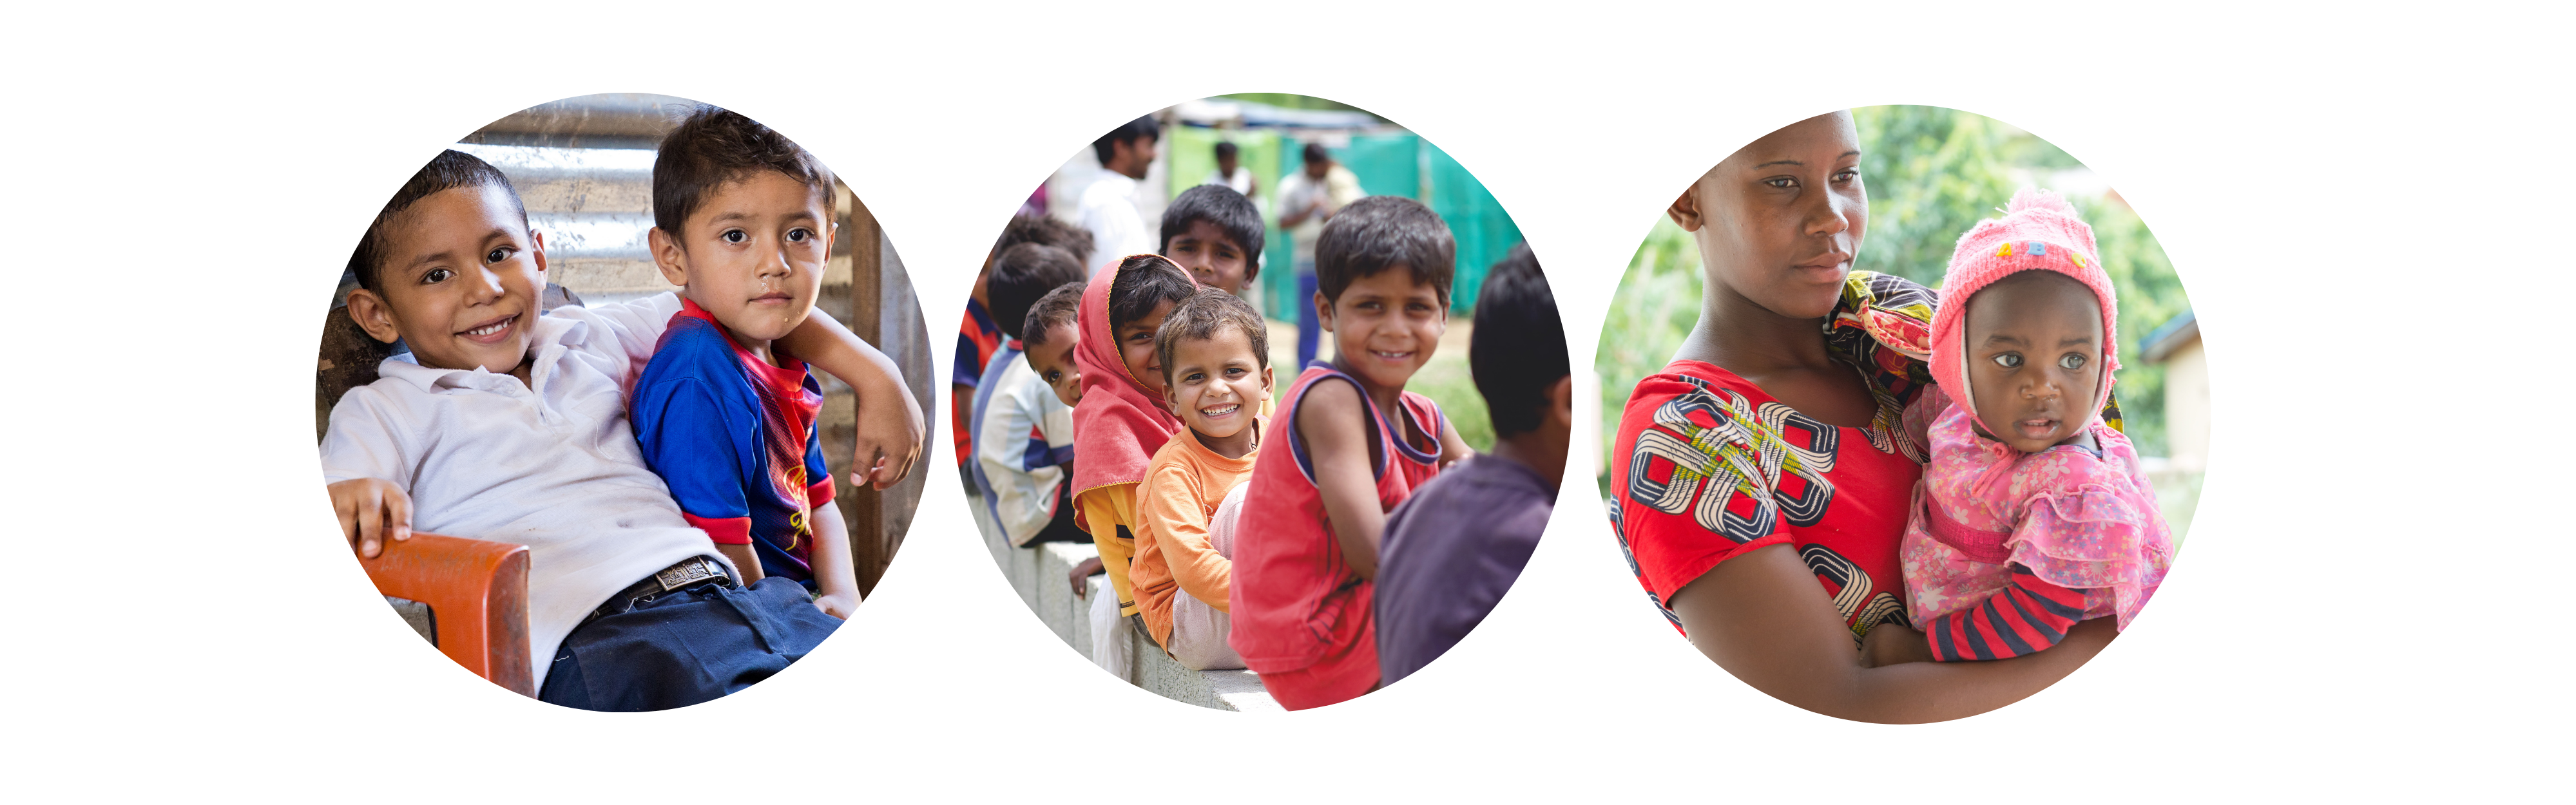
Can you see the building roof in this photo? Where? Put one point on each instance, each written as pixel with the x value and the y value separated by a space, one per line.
pixel 2176 332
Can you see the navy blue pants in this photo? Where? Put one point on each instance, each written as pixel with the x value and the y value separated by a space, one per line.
pixel 686 647
pixel 1310 329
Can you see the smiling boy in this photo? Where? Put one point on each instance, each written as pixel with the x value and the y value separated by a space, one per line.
pixel 743 223
pixel 505 425
pixel 1215 353
pixel 1359 444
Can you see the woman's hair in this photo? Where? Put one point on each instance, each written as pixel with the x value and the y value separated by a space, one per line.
pixel 1059 307
pixel 1142 283
pixel 1208 312
pixel 1518 350
pixel 449 170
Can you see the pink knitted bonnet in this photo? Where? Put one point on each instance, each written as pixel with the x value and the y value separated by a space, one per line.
pixel 2039 232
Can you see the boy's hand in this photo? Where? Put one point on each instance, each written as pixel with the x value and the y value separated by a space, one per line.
pixel 890 436
pixel 838 604
pixel 1891 644
pixel 371 510
pixel 1081 576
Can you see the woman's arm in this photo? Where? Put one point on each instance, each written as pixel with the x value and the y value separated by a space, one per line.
pixel 1762 618
pixel 890 422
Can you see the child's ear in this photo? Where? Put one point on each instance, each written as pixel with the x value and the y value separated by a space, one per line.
pixel 668 256
pixel 831 235
pixel 1685 210
pixel 1266 378
pixel 537 248
pixel 1560 401
pixel 373 315
pixel 1324 311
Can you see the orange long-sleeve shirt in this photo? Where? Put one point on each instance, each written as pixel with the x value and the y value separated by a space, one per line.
pixel 1173 555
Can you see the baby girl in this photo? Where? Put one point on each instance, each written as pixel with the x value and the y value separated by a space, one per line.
pixel 2032 514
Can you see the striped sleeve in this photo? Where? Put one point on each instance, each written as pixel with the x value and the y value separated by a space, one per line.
pixel 2021 619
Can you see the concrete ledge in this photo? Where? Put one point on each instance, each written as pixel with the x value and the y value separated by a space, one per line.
pixel 1039 574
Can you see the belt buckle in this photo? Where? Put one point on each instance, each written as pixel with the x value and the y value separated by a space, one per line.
pixel 684 574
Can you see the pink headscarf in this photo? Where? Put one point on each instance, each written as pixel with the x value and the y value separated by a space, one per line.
pixel 2039 232
pixel 1119 424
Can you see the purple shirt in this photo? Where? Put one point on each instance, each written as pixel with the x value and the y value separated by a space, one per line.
pixel 1450 553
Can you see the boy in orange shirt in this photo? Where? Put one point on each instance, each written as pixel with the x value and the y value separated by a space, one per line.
pixel 1215 352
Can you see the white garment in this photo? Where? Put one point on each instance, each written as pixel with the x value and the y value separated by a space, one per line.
pixel 555 468
pixel 1338 189
pixel 1108 210
pixel 1025 432
pixel 1240 182
pixel 1199 630
pixel 1113 642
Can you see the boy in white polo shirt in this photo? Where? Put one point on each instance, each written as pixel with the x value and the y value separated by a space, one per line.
pixel 504 425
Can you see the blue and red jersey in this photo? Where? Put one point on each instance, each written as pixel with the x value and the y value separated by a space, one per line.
pixel 735 439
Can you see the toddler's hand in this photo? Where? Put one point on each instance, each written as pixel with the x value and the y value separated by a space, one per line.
pixel 1081 576
pixel 838 605
pixel 371 510
pixel 890 437
pixel 1891 644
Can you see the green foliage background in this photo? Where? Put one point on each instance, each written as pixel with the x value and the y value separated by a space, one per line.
pixel 1932 173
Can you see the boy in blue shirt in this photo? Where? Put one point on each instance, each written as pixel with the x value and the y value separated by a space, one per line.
pixel 743 222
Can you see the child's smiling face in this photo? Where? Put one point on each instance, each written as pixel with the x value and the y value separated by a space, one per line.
pixel 1211 257
pixel 1217 384
pixel 1385 326
pixel 2034 343
pixel 1778 221
pixel 752 254
pixel 459 281
pixel 1136 348
pixel 1053 362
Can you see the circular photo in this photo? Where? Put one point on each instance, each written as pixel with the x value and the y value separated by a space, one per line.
pixel 1906 414
pixel 619 399
pixel 1261 401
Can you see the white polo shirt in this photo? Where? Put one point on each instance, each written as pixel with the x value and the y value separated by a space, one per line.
pixel 555 468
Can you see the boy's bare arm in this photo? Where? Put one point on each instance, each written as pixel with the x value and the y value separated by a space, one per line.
pixel 1453 448
pixel 1334 427
pixel 371 511
pixel 834 572
pixel 891 425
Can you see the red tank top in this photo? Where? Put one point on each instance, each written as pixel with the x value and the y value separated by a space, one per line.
pixel 1296 602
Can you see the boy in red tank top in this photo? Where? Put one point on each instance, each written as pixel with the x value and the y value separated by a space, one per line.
pixel 1358 444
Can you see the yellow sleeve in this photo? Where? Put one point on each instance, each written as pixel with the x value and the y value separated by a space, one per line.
pixel 1180 519
pixel 1110 512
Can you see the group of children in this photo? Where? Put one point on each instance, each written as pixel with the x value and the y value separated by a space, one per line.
pixel 660 458
pixel 1364 542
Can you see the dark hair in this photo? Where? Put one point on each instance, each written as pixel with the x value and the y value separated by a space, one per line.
pixel 1206 313
pixel 1315 152
pixel 715 146
pixel 1024 273
pixel 1072 239
pixel 1228 210
pixel 1142 282
pixel 1518 348
pixel 1060 306
pixel 449 170
pixel 1226 148
pixel 1376 233
pixel 1136 129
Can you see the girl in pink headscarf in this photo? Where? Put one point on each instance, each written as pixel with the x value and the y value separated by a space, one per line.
pixel 2032 514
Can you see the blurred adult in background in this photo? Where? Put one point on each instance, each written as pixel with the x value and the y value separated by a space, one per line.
pixel 1230 171
pixel 1108 205
pixel 1307 199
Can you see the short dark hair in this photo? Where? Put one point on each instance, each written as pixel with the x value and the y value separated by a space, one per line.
pixel 1226 148
pixel 1315 152
pixel 1518 348
pixel 1133 130
pixel 1228 210
pixel 1060 306
pixel 1376 233
pixel 1144 281
pixel 449 170
pixel 1023 273
pixel 715 146
pixel 1074 240
pixel 1206 313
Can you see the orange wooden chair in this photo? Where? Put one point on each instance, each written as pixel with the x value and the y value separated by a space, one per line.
pixel 477 593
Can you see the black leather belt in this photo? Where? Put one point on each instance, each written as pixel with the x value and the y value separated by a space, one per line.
pixel 695 571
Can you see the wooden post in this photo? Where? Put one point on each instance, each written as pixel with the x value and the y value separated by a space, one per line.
pixel 870 547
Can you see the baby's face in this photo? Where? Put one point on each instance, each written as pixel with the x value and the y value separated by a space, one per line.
pixel 1218 384
pixel 2034 343
pixel 1053 361
pixel 753 254
pixel 1212 257
pixel 1136 348
pixel 1778 221
pixel 460 280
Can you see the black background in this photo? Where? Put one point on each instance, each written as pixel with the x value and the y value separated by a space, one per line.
pixel 947 644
